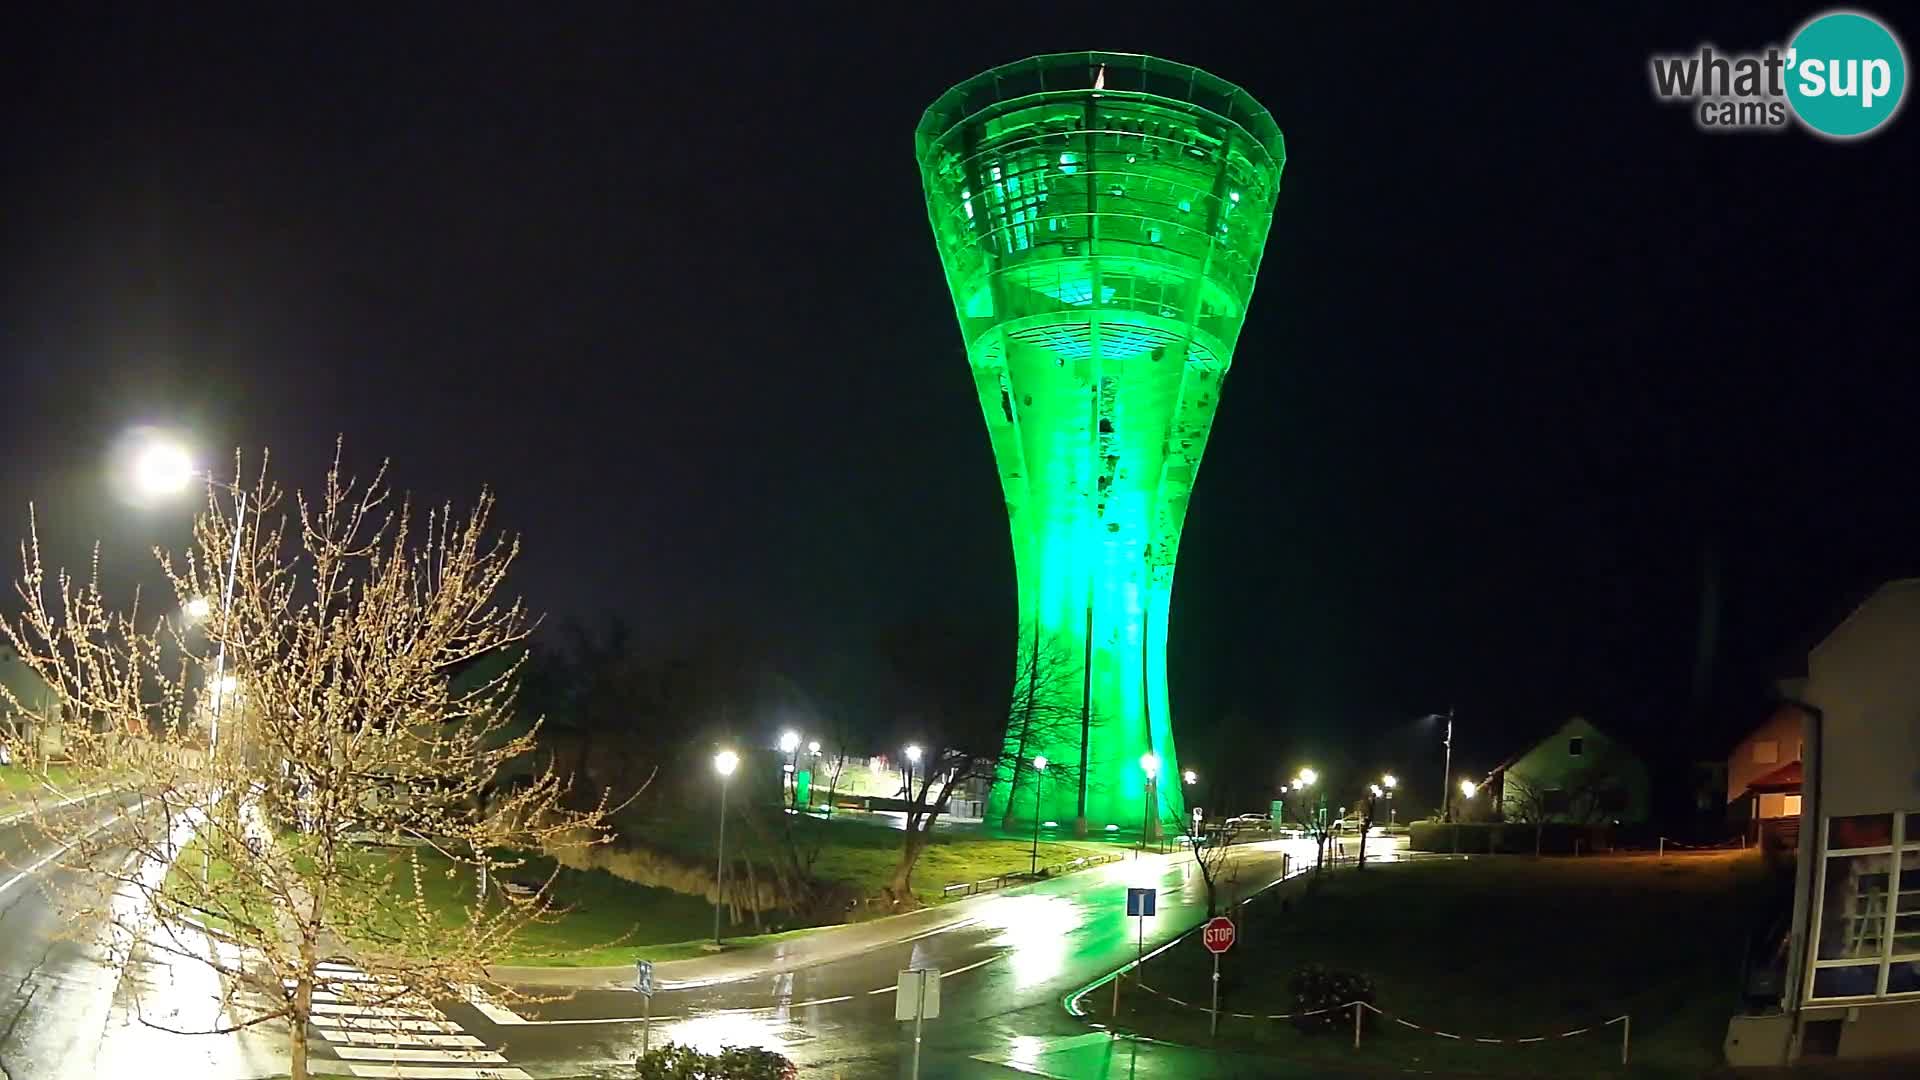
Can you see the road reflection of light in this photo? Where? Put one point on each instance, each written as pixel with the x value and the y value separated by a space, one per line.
pixel 1033 930
pixel 1025 1050
pixel 711 1034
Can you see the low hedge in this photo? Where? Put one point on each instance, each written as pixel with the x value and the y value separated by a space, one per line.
pixel 1507 838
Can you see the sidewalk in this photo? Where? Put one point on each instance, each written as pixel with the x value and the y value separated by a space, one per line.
pixel 822 946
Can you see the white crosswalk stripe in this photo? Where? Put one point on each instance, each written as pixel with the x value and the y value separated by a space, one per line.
pixel 380 1029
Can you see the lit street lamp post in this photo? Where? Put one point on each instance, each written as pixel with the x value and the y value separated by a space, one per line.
pixel 1149 830
pixel 1039 774
pixel 790 774
pixel 724 763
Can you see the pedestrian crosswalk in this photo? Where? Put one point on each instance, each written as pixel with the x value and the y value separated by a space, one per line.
pixel 387 1031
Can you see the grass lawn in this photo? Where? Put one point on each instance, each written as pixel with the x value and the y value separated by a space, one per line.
pixel 861 850
pixel 1493 947
pixel 17 782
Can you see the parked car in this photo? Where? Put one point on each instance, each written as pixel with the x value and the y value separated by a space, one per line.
pixel 1250 823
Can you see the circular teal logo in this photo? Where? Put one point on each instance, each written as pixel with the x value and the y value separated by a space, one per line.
pixel 1845 75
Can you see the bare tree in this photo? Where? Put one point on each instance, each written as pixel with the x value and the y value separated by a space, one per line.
pixel 1045 704
pixel 1303 805
pixel 1529 803
pixel 965 730
pixel 1212 852
pixel 347 620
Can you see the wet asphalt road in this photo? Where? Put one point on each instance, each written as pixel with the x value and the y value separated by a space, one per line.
pixel 1005 975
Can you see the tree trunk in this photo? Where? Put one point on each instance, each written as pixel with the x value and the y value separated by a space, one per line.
pixel 302 1009
pixel 1538 828
pixel 901 886
pixel 1365 827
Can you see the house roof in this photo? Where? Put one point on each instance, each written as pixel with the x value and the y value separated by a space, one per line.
pixel 1786 778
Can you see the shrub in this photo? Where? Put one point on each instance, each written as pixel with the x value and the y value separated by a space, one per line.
pixel 674 1062
pixel 1315 987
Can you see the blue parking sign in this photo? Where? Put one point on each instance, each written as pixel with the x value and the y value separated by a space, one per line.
pixel 1140 901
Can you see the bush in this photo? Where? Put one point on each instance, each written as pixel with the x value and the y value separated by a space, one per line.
pixel 1508 838
pixel 673 1062
pixel 1320 988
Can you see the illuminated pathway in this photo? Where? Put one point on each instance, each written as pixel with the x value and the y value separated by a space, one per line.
pixel 1005 970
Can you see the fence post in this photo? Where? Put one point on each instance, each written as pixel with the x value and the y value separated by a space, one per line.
pixel 1356 1025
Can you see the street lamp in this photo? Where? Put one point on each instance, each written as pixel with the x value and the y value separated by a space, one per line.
pixel 1039 774
pixel 1467 788
pixel 789 742
pixel 913 758
pixel 814 748
pixel 790 769
pixel 1150 764
pixel 1446 768
pixel 164 468
pixel 1190 777
pixel 197 608
pixel 1389 782
pixel 724 763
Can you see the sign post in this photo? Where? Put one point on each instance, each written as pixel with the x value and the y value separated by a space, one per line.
pixel 643 982
pixel 1140 906
pixel 917 999
pixel 1217 936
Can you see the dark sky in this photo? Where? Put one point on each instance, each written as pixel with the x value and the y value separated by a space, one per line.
pixel 1527 349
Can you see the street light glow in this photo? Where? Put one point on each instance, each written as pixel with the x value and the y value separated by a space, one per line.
pixel 913 753
pixel 725 762
pixel 229 686
pixel 1190 776
pixel 789 742
pixel 1150 764
pixel 813 747
pixel 162 468
pixel 1040 762
pixel 1391 781
pixel 198 608
pixel 1376 790
pixel 1467 788
pixel 1306 777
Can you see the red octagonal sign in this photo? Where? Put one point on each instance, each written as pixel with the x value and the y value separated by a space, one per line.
pixel 1217 935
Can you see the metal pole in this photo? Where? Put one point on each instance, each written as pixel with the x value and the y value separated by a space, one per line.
pixel 1356 1025
pixel 1626 1036
pixel 220 655
pixel 1038 776
pixel 720 863
pixel 1213 1014
pixel 1139 947
pixel 646 1024
pixel 1116 995
pixel 1446 774
pixel 919 1013
pixel 1663 848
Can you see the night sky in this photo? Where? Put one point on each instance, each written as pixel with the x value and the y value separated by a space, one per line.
pixel 1528 356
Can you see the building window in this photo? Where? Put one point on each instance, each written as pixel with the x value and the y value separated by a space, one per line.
pixel 1576 746
pixel 1790 806
pixel 1867 918
pixel 1766 752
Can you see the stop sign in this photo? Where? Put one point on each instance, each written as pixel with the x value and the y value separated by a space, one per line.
pixel 1217 935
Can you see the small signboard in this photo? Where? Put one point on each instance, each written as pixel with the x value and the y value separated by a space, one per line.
pixel 643 976
pixel 919 996
pixel 1140 901
pixel 1217 935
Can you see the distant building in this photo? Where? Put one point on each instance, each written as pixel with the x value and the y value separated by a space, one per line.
pixel 36 697
pixel 1851 982
pixel 1578 775
pixel 1764 778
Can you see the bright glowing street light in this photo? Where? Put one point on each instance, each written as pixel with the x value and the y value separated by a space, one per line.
pixel 724 763
pixel 1376 790
pixel 198 608
pixel 1390 780
pixel 913 753
pixel 789 742
pixel 1190 776
pixel 1467 788
pixel 163 468
pixel 1306 778
pixel 813 747
pixel 1150 764
pixel 228 686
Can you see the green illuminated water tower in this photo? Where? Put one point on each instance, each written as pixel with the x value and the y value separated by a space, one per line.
pixel 1101 218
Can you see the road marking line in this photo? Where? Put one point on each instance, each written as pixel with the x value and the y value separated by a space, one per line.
pixel 62 850
pixel 334 1008
pixel 440 1073
pixel 363 1053
pixel 944 974
pixel 382 1038
pixel 390 1024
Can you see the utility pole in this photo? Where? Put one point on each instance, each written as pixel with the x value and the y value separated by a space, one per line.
pixel 1446 776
